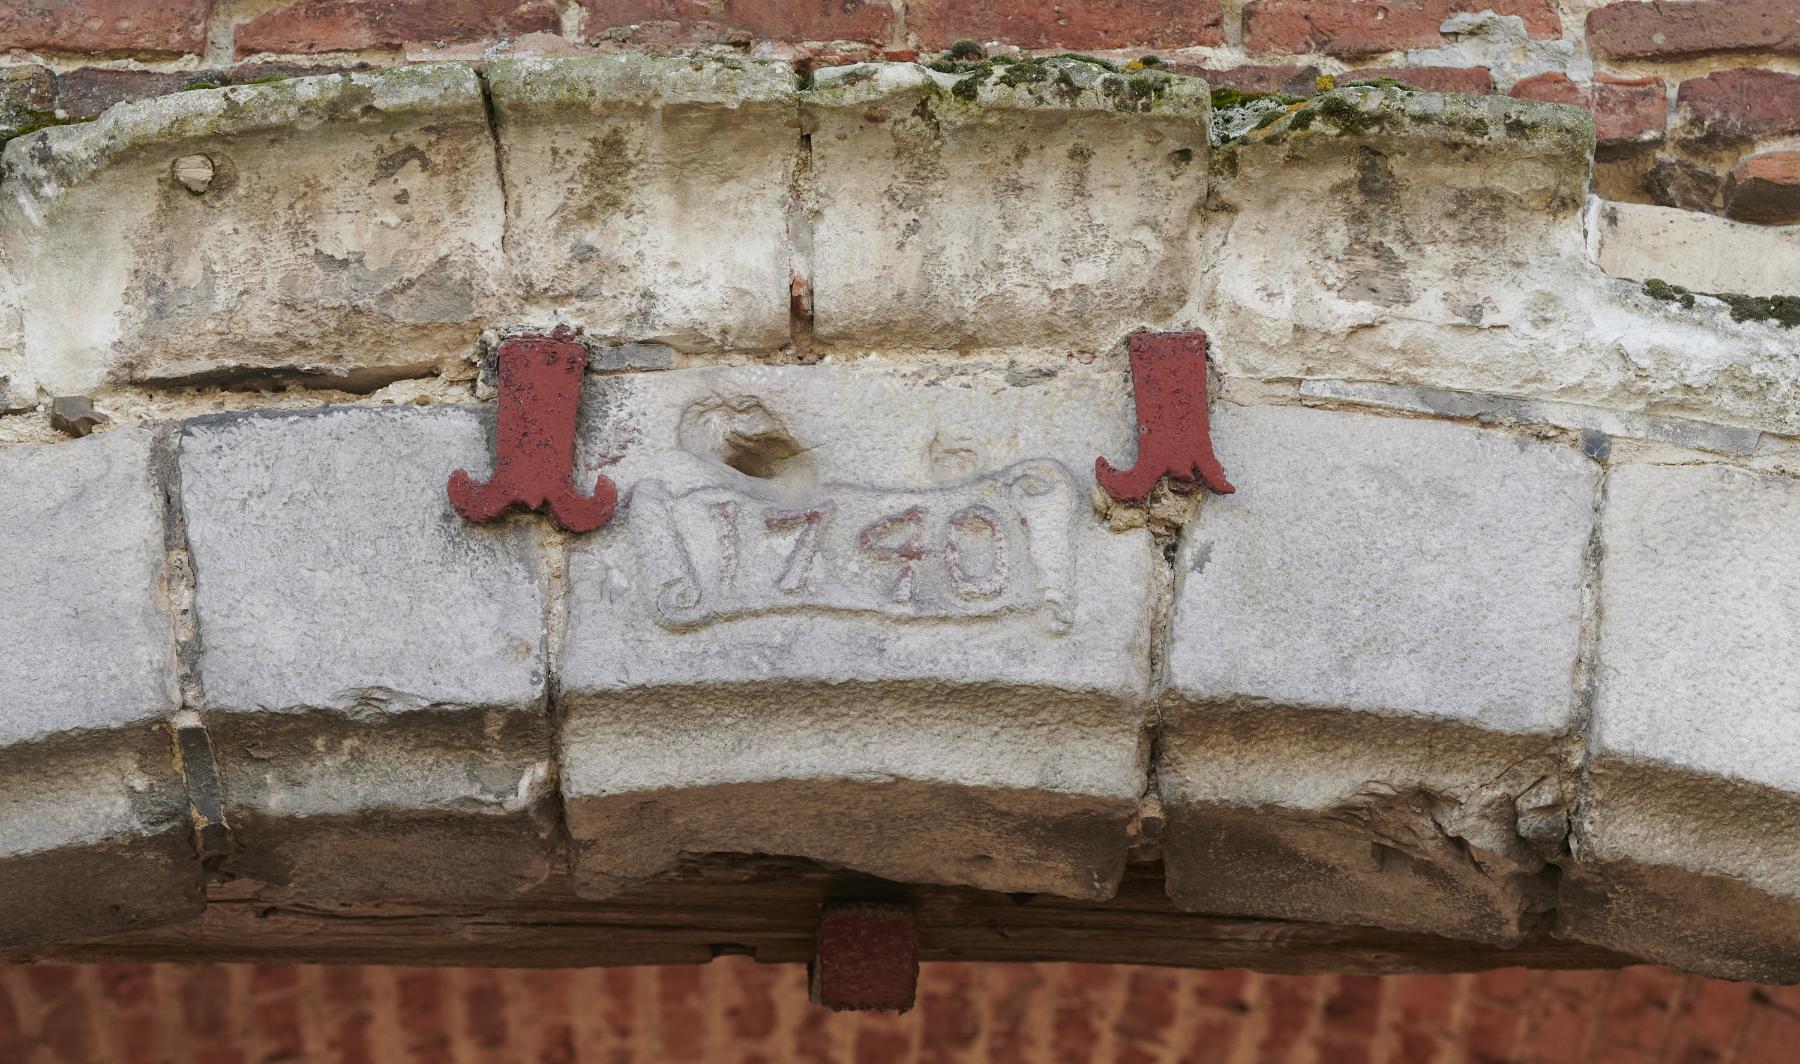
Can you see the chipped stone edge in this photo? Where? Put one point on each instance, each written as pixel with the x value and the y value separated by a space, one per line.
pixel 41 165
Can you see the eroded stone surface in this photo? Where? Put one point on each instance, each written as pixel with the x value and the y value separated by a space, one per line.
pixel 1681 845
pixel 1702 252
pixel 1371 671
pixel 652 194
pixel 93 817
pixel 342 226
pixel 863 615
pixel 1043 203
pixel 1435 240
pixel 372 666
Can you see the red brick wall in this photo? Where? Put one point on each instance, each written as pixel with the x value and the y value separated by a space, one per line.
pixel 734 1010
pixel 1698 100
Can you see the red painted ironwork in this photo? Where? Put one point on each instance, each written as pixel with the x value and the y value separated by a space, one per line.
pixel 534 450
pixel 866 958
pixel 1168 380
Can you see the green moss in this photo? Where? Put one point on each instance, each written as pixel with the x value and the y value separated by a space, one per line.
pixel 193 86
pixel 965 49
pixel 1345 115
pixel 1377 83
pixel 1094 59
pixel 1782 310
pixel 41 121
pixel 1150 61
pixel 966 89
pixel 1656 288
pixel 269 79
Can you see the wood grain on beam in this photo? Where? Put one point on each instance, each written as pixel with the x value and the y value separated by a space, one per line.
pixel 769 908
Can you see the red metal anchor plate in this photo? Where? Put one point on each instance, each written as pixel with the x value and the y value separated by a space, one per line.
pixel 534 450
pixel 1168 380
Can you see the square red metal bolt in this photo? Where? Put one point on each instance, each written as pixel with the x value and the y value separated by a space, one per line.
pixel 866 958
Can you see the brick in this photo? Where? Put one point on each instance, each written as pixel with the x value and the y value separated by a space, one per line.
pixel 1105 24
pixel 1765 189
pixel 1741 103
pixel 1700 603
pixel 986 239
pixel 1671 29
pixel 1364 27
pixel 1629 110
pixel 1294 596
pixel 1551 87
pixel 779 20
pixel 89 91
pixel 389 266
pixel 1639 1007
pixel 598 192
pixel 752 567
pixel 1626 110
pixel 313 26
pixel 96 833
pixel 1349 28
pixel 1293 79
pixel 104 26
pixel 395 634
pixel 1541 17
pixel 1478 81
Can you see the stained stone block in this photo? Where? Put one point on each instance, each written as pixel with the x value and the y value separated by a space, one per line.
pixel 1050 202
pixel 1684 847
pixel 338 228
pixel 1370 673
pixel 94 835
pixel 372 664
pixel 648 196
pixel 861 615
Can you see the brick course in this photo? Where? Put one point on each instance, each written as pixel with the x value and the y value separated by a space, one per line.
pixel 736 1010
pixel 350 25
pixel 104 25
pixel 1667 29
pixel 1741 103
pixel 1108 24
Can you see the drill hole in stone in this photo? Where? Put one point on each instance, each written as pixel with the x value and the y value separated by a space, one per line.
pixel 742 434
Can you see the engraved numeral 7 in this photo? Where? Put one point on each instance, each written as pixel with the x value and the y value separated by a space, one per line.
pixel 806 545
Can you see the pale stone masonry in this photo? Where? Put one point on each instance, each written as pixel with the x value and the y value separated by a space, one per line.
pixel 94 831
pixel 332 227
pixel 1682 840
pixel 1370 671
pixel 372 669
pixel 1495 638
pixel 861 614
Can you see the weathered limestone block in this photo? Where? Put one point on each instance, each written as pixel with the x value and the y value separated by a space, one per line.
pixel 94 831
pixel 1704 252
pixel 1436 240
pixel 1371 673
pixel 648 197
pixel 861 615
pixel 1684 843
pixel 341 225
pixel 1043 202
pixel 372 664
